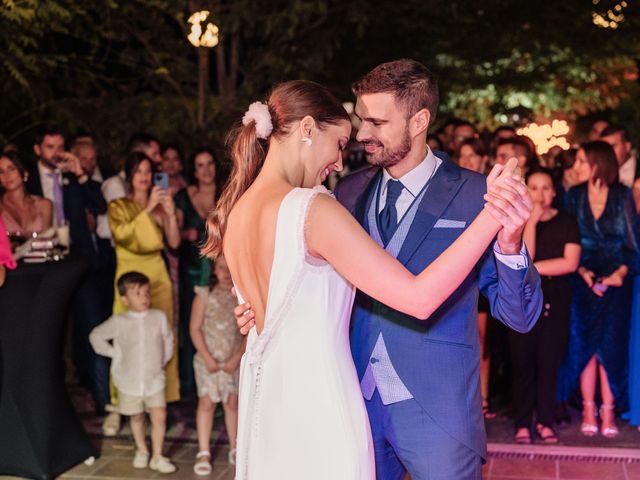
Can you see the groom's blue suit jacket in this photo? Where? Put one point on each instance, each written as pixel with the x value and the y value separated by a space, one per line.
pixel 438 359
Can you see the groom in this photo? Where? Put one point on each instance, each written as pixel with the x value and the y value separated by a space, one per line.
pixel 420 379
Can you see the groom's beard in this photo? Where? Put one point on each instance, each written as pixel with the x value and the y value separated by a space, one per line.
pixel 390 157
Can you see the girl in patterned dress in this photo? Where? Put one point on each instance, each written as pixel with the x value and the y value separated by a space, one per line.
pixel 219 347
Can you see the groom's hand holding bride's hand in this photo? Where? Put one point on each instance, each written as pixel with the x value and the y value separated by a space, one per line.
pixel 509 203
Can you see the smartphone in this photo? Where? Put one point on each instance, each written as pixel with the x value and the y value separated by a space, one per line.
pixel 600 287
pixel 161 179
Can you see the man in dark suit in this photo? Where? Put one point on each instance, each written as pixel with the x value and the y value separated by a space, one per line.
pixel 628 164
pixel 59 176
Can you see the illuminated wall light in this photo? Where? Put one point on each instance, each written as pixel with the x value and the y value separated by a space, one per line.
pixel 547 136
pixel 209 38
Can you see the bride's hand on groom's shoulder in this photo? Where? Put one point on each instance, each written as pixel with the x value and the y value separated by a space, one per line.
pixel 509 203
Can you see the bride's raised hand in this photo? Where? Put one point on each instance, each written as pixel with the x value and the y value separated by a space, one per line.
pixel 509 203
pixel 500 172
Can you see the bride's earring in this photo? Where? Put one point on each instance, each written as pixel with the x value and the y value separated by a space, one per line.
pixel 307 141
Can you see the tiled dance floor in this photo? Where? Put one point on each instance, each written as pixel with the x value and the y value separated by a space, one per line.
pixel 576 459
pixel 506 462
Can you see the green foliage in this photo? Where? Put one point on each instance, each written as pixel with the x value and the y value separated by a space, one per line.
pixel 118 66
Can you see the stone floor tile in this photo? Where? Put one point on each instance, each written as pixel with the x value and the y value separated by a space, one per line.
pixel 185 452
pixel 226 474
pixel 516 477
pixel 115 447
pixel 633 471
pixel 486 468
pixel 122 468
pixel 591 470
pixel 520 468
pixel 82 470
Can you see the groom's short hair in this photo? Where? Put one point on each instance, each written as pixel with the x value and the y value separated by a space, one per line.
pixel 410 82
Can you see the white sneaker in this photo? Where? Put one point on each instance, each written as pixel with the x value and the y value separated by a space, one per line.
pixel 162 465
pixel 232 456
pixel 140 459
pixel 111 424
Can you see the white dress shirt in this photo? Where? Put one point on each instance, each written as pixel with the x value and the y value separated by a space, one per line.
pixel 46 181
pixel 413 183
pixel 102 221
pixel 627 172
pixel 114 187
pixel 142 346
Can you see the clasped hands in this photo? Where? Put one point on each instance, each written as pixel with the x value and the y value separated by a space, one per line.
pixel 68 162
pixel 214 366
pixel 509 203
pixel 616 279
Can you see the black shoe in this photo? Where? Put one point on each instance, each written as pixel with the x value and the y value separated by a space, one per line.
pixel 563 417
pixel 101 411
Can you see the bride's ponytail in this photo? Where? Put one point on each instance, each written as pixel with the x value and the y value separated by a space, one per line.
pixel 248 155
pixel 288 103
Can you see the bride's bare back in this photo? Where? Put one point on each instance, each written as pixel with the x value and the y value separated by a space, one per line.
pixel 249 242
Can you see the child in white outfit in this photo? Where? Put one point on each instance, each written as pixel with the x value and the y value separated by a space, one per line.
pixel 142 344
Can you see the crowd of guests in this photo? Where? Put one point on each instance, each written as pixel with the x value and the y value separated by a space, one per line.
pixel 583 238
pixel 140 234
pixel 138 229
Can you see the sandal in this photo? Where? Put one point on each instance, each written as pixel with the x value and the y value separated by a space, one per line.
pixel 523 436
pixel 611 431
pixel 550 437
pixel 588 429
pixel 486 411
pixel 202 466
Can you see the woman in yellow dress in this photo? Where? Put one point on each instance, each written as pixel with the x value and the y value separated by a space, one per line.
pixel 140 224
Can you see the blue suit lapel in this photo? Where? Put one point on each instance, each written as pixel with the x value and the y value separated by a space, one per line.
pixel 362 204
pixel 443 188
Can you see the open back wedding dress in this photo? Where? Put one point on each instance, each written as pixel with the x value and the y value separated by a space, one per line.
pixel 301 412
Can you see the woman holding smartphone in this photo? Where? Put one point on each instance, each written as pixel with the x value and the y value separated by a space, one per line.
pixel 600 315
pixel 141 225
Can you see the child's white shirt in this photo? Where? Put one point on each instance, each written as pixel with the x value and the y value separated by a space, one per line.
pixel 142 346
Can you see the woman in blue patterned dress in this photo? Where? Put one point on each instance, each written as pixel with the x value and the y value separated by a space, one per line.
pixel 598 344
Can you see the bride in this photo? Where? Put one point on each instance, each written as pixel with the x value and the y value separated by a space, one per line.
pixel 299 256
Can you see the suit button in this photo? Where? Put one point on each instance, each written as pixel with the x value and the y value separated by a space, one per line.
pixel 374 360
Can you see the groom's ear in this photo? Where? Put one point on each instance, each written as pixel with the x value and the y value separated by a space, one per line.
pixel 419 123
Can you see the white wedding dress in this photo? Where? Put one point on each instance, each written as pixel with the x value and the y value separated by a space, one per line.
pixel 301 412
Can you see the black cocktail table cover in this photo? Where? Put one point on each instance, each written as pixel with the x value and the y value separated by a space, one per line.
pixel 40 433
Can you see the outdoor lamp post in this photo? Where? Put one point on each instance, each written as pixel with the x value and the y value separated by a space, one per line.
pixel 202 36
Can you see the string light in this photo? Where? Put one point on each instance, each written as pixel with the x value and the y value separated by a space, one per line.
pixel 547 136
pixel 613 18
pixel 209 38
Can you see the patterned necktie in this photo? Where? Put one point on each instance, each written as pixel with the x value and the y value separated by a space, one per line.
pixel 389 214
pixel 58 205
